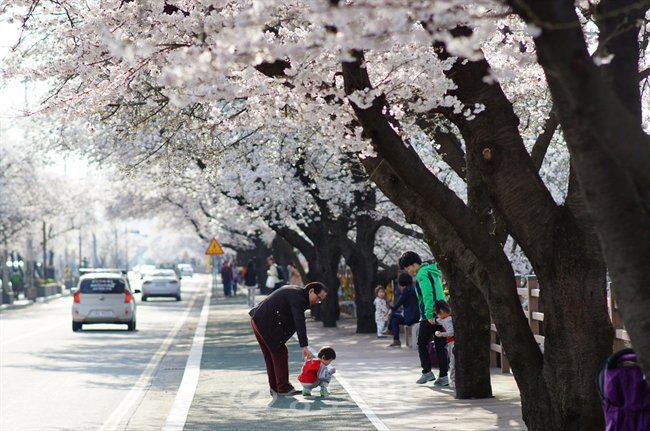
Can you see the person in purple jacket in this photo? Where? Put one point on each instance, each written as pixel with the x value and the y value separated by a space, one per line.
pixel 409 300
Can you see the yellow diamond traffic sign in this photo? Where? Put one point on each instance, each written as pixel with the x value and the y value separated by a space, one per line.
pixel 214 248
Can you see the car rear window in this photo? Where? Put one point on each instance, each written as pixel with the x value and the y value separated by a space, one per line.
pixel 102 285
pixel 164 273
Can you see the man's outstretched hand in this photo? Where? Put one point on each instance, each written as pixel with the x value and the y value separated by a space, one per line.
pixel 306 354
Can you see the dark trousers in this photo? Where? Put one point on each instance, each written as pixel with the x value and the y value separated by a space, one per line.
pixel 226 287
pixel 277 363
pixel 395 321
pixel 424 337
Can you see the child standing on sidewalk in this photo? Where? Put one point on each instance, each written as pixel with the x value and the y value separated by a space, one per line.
pixel 316 372
pixel 443 312
pixel 381 311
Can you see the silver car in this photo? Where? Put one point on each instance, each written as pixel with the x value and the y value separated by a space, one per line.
pixel 103 296
pixel 161 282
pixel 185 269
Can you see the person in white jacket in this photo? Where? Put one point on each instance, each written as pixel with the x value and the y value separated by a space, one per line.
pixel 443 318
pixel 381 311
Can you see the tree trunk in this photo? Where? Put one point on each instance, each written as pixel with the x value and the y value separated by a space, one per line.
pixel 325 270
pixel 364 269
pixel 471 317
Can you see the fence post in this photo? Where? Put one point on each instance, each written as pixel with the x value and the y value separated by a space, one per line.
pixel 533 303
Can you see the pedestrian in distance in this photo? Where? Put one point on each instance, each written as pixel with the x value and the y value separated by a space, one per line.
pixel 381 311
pixel 317 372
pixel 410 314
pixel 274 320
pixel 428 289
pixel 235 276
pixel 226 279
pixel 294 275
pixel 275 275
pixel 443 317
pixel 250 282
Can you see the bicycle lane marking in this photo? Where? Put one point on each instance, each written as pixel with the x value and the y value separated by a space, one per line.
pixel 185 395
pixel 145 380
pixel 372 417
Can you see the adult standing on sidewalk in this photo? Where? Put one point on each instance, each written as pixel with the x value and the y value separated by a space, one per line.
pixel 428 289
pixel 274 321
pixel 226 279
pixel 250 281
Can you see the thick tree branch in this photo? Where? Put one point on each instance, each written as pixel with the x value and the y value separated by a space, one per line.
pixel 563 54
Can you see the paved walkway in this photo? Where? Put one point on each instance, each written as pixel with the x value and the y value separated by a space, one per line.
pixel 374 388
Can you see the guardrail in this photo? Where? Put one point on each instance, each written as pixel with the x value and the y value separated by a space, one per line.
pixel 535 314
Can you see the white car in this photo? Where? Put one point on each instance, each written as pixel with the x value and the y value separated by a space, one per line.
pixel 161 282
pixel 145 269
pixel 103 296
pixel 185 269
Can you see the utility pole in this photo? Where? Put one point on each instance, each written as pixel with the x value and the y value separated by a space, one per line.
pixel 30 263
pixel 6 291
pixel 126 246
pixel 80 255
pixel 44 275
pixel 117 257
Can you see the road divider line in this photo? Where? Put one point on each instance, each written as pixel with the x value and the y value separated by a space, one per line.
pixel 181 407
pixel 36 332
pixel 374 419
pixel 144 382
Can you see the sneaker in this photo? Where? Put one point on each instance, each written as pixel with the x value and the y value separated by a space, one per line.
pixel 395 343
pixel 324 393
pixel 273 393
pixel 306 393
pixel 290 392
pixel 381 336
pixel 426 378
pixel 452 384
pixel 442 381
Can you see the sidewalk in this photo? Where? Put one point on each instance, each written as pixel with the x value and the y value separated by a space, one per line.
pixel 22 303
pixel 374 388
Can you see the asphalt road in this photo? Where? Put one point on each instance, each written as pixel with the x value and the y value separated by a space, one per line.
pixel 101 378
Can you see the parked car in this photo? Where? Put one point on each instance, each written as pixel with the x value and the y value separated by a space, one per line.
pixel 161 283
pixel 103 296
pixel 186 269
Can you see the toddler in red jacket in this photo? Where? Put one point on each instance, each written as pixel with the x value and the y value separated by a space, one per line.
pixel 316 372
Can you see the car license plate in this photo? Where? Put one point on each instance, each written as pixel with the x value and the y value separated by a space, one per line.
pixel 101 313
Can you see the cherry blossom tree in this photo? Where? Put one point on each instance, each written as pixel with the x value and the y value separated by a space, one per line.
pixel 488 84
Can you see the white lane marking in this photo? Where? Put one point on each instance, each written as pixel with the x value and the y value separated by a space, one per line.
pixel 355 397
pixel 36 332
pixel 143 383
pixel 181 407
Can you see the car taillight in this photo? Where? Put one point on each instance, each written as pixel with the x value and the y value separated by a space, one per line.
pixel 174 281
pixel 127 295
pixel 75 295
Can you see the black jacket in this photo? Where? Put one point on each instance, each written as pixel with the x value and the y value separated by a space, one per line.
pixel 282 314
pixel 409 300
pixel 250 277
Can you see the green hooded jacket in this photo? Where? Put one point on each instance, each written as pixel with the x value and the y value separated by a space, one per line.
pixel 428 288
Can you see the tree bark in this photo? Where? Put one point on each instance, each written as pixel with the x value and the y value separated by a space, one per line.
pixel 599 114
